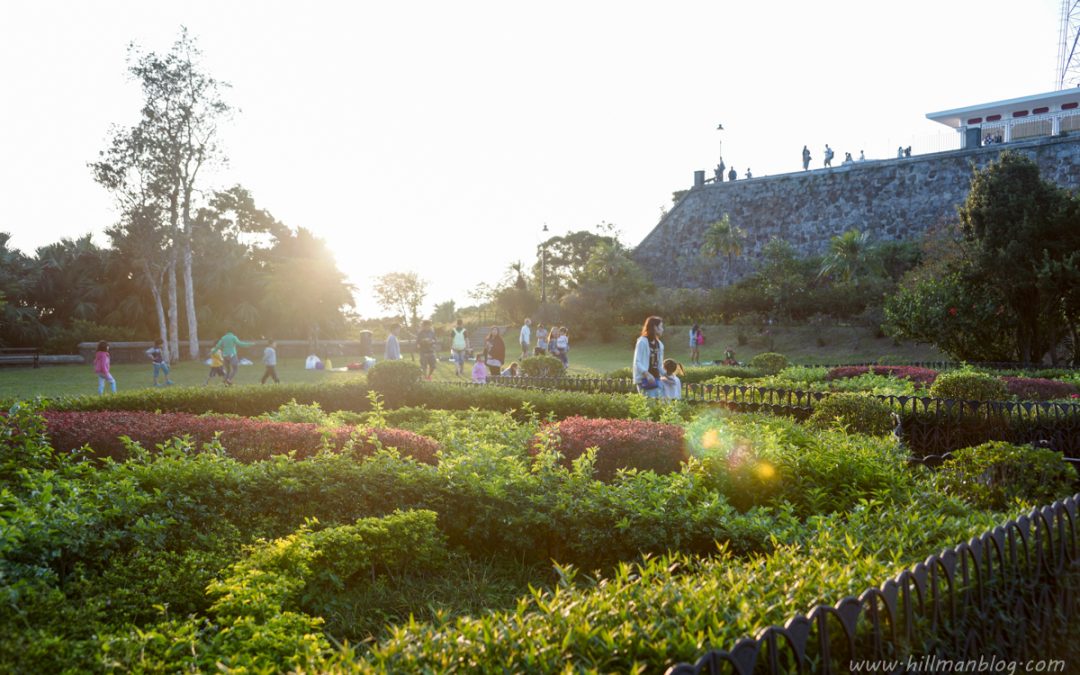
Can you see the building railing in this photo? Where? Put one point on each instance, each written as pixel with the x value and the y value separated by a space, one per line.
pixel 1008 595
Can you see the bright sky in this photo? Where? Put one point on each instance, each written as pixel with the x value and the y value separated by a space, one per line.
pixel 439 137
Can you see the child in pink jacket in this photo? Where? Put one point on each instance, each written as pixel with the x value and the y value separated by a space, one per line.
pixel 101 368
pixel 480 371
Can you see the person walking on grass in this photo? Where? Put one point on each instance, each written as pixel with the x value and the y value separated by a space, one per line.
pixel 102 361
pixel 217 366
pixel 649 358
pixel 228 344
pixel 393 347
pixel 161 365
pixel 697 338
pixel 425 344
pixel 525 338
pixel 459 344
pixel 270 361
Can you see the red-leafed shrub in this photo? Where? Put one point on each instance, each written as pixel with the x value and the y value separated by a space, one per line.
pixel 1038 389
pixel 620 444
pixel 245 438
pixel 913 373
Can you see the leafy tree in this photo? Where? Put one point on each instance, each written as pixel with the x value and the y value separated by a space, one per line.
pixel 607 290
pixel 848 257
pixel 70 282
pixel 401 293
pixel 304 287
pixel 21 321
pixel 566 257
pixel 445 312
pixel 724 239
pixel 1011 277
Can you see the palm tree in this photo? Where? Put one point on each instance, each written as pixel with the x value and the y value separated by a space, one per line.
pixel 846 257
pixel 723 238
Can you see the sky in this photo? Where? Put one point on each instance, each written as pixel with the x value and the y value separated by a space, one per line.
pixel 440 137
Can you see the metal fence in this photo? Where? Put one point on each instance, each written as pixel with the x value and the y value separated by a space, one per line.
pixel 1008 594
pixel 928 426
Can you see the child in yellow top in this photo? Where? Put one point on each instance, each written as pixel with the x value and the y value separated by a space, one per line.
pixel 217 362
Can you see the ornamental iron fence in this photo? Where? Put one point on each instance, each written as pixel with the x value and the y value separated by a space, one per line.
pixel 928 426
pixel 1006 595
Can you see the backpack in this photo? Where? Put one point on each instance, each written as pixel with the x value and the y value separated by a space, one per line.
pixel 459 339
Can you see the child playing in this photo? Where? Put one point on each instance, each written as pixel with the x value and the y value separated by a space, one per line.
pixel 669 381
pixel 270 361
pixel 101 368
pixel 157 357
pixel 479 370
pixel 217 365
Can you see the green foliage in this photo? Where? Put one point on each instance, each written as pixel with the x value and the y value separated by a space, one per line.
pixel 66 340
pixel 394 380
pixel 542 366
pixel 1006 289
pixel 854 412
pixel 770 363
pixel 967 385
pixel 996 474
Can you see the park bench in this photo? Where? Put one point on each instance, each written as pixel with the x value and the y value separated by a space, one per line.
pixel 20 356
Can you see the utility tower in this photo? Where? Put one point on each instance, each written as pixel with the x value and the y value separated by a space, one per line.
pixel 1068 67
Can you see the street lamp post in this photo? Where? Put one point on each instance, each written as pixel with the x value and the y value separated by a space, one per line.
pixel 543 268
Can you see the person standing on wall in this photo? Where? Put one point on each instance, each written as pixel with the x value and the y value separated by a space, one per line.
pixel 649 358
pixel 228 344
pixel 525 338
pixel 805 158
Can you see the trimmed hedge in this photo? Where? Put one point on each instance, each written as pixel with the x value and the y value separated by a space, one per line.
pixel 770 362
pixel 854 412
pixel 620 444
pixel 245 438
pixel 1038 389
pixel 543 366
pixel 919 375
pixel 966 385
pixel 993 475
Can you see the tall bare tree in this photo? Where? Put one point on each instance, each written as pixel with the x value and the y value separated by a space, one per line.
pixel 174 140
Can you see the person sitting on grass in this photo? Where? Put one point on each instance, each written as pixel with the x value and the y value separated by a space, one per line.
pixel 511 370
pixel 479 370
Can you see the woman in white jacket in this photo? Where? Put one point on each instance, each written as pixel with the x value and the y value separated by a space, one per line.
pixel 649 357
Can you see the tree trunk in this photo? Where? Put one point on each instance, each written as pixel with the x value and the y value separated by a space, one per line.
pixel 174 324
pixel 189 302
pixel 155 290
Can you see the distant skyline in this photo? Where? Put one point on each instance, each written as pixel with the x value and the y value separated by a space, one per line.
pixel 439 138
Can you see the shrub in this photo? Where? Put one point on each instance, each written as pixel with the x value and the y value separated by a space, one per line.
pixel 919 375
pixel 769 362
pixel 994 474
pixel 966 385
pixel 394 380
pixel 855 412
pixel 246 439
pixel 620 444
pixel 698 374
pixel 542 366
pixel 1038 389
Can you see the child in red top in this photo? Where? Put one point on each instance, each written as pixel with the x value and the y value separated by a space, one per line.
pixel 101 368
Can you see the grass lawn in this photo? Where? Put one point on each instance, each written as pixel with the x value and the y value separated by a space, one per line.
pixel 588 357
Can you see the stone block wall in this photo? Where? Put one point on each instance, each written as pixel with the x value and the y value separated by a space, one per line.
pixel 894 199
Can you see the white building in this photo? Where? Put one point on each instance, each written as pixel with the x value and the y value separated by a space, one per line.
pixel 1051 114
